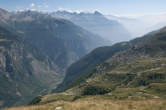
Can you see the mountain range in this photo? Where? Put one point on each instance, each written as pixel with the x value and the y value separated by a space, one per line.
pixel 49 59
pixel 110 30
pixel 48 34
pixel 35 53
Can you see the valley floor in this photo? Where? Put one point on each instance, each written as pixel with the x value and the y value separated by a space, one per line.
pixel 100 103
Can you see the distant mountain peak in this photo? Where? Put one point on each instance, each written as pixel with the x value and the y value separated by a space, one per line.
pixel 98 13
pixel 78 13
pixel 3 11
pixel 97 23
pixel 63 11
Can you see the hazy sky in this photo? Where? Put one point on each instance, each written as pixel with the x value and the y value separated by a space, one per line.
pixel 117 7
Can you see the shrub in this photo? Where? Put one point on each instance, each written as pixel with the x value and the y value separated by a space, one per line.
pixel 94 90
pixel 35 100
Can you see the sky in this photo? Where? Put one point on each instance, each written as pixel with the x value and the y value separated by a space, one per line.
pixel 114 7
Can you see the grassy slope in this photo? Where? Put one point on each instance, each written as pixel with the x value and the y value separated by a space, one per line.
pixel 138 84
pixel 88 62
pixel 142 75
pixel 85 66
pixel 140 65
pixel 100 103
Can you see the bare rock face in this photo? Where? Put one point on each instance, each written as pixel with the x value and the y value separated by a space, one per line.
pixel 4 16
pixel 24 70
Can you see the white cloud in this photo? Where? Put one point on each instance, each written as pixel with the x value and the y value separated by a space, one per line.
pixel 32 5
pixel 38 7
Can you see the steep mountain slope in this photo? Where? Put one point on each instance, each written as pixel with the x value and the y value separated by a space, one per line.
pixel 91 60
pixel 95 58
pixel 137 72
pixel 97 23
pixel 24 70
pixel 46 47
pixel 4 15
pixel 60 39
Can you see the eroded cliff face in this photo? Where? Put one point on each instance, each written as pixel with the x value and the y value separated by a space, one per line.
pixel 24 70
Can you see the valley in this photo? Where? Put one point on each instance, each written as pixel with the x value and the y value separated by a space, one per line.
pixel 39 59
pixel 82 55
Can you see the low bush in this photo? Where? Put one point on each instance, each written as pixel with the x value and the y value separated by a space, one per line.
pixel 94 90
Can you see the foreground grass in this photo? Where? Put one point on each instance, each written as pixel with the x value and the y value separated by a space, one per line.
pixel 100 103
